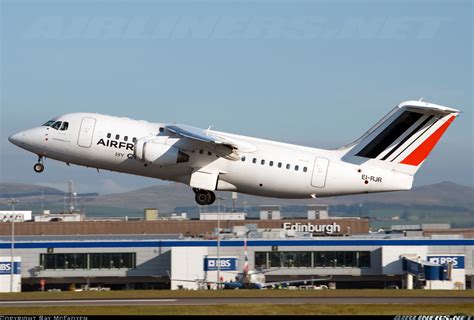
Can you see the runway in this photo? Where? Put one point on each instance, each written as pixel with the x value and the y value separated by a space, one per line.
pixel 221 301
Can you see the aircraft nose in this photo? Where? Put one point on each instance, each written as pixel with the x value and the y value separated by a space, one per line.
pixel 17 138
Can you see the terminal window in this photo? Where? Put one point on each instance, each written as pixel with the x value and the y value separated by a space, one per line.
pixel 116 260
pixel 318 259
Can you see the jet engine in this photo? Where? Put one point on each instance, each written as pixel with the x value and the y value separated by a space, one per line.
pixel 156 151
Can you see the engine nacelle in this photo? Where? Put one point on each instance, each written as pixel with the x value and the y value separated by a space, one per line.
pixel 157 152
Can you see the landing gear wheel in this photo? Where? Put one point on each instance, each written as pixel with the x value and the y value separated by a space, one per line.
pixel 39 167
pixel 203 197
pixel 213 197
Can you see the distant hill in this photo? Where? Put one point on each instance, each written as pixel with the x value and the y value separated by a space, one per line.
pixel 21 190
pixel 168 197
pixel 179 195
pixel 444 202
pixel 8 190
pixel 440 194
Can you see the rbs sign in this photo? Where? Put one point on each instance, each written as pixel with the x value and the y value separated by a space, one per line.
pixel 226 264
pixel 457 261
pixel 6 268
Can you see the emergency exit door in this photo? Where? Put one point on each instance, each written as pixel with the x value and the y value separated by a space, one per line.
pixel 86 132
pixel 320 171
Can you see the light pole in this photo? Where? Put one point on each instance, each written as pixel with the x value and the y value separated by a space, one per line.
pixel 12 202
pixel 219 240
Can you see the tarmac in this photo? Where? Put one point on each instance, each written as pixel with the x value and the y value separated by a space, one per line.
pixel 231 300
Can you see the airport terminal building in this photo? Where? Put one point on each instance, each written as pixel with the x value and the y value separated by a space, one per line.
pixel 287 250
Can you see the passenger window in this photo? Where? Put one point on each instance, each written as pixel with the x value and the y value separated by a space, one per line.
pixel 262 162
pixel 65 126
pixel 108 135
pixel 134 140
pixel 117 137
pixel 209 153
pixel 271 163
pixel 305 169
pixel 288 166
pixel 56 125
pixel 279 164
pixel 297 168
pixel 201 151
pixel 254 160
pixel 125 138
pixel 243 159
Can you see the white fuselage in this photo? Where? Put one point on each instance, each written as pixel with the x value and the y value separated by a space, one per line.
pixel 269 168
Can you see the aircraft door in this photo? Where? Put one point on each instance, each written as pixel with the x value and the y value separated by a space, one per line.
pixel 319 172
pixel 86 132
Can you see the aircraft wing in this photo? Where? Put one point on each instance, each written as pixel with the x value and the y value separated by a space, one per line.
pixel 232 146
pixel 272 284
pixel 196 280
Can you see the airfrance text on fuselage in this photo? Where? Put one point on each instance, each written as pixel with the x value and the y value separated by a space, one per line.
pixel 116 144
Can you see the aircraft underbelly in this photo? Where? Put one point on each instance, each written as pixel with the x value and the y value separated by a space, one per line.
pixel 270 185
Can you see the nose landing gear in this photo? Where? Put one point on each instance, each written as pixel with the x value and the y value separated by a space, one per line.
pixel 39 167
pixel 204 197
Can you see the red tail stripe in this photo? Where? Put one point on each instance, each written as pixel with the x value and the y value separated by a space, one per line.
pixel 424 149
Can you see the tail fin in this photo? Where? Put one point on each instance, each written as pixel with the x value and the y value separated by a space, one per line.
pixel 404 138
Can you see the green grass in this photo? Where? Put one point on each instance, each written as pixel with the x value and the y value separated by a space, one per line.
pixel 252 309
pixel 144 294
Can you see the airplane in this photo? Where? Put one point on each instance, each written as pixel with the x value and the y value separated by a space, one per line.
pixel 383 159
pixel 252 279
pixel 255 279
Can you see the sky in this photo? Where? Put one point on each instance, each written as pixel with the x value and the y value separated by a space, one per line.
pixel 316 73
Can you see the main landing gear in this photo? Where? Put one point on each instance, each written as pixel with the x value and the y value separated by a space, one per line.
pixel 204 197
pixel 39 167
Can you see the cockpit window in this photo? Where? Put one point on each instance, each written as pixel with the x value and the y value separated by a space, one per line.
pixel 65 126
pixel 56 125
pixel 50 122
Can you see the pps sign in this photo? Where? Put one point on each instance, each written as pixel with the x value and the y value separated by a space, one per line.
pixel 226 264
pixel 457 261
